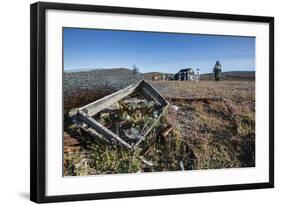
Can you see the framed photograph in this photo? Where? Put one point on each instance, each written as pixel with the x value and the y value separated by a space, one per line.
pixel 129 102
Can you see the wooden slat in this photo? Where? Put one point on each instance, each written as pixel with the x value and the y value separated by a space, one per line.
pixel 101 129
pixel 105 102
pixel 147 89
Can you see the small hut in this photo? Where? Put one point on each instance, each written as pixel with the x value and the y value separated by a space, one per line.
pixel 186 74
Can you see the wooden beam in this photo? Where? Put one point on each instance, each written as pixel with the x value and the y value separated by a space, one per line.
pixel 101 129
pixel 94 107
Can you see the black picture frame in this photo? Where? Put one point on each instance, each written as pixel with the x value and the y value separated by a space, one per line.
pixel 38 101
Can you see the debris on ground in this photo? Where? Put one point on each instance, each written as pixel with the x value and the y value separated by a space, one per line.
pixel 181 166
pixel 125 117
pixel 131 117
pixel 175 108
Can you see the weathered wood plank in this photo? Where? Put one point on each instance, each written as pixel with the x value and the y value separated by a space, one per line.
pixel 147 89
pixel 101 129
pixel 105 102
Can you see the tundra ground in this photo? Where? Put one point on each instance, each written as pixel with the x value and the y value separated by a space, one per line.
pixel 213 127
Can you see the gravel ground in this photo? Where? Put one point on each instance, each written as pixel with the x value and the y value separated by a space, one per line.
pixel 99 79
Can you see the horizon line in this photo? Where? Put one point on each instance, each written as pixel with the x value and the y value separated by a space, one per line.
pixel 93 69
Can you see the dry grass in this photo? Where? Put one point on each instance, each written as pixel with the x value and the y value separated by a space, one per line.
pixel 236 91
pixel 221 133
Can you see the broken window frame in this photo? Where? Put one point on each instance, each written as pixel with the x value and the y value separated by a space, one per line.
pixel 84 115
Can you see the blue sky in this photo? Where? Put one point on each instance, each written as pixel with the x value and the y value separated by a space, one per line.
pixel 152 51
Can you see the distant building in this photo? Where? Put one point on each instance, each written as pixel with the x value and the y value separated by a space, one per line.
pixel 162 77
pixel 187 74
